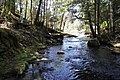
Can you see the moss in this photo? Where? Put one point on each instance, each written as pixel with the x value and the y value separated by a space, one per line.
pixel 13 56
pixel 15 59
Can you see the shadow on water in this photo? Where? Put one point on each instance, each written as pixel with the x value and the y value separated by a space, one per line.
pixel 78 63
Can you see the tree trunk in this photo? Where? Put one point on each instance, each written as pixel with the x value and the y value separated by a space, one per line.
pixel 20 7
pixel 110 16
pixel 90 23
pixel 61 21
pixel 49 22
pixel 98 17
pixel 46 13
pixel 64 24
pixel 114 16
pixel 41 15
pixel 31 12
pixel 26 8
pixel 38 12
pixel 95 14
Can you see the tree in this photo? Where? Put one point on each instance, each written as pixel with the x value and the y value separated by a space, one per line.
pixel 61 21
pixel 98 17
pixel 31 12
pixel 95 12
pixel 38 12
pixel 26 8
pixel 90 21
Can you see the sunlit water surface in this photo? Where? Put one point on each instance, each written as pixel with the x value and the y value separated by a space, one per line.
pixel 77 57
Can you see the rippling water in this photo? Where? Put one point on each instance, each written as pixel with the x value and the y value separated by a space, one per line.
pixel 78 63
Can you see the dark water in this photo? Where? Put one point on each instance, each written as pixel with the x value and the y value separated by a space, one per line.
pixel 78 63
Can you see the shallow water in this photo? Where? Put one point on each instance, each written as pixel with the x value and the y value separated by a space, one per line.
pixel 78 63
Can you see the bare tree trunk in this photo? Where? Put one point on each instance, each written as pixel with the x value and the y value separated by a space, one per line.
pixel 64 24
pixel 21 15
pixel 108 21
pixel 31 12
pixel 20 7
pixel 108 17
pixel 49 22
pixel 113 17
pixel 90 21
pixel 38 12
pixel 46 13
pixel 26 8
pixel 95 14
pixel 98 17
pixel 61 21
pixel 41 15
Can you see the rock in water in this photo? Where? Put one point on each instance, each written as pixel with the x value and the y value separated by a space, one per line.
pixel 45 60
pixel 38 55
pixel 60 52
pixel 93 43
pixel 70 46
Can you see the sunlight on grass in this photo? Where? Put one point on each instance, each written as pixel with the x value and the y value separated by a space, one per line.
pixel 4 26
pixel 117 45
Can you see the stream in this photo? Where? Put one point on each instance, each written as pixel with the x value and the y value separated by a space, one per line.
pixel 77 63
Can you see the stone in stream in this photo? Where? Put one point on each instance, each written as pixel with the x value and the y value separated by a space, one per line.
pixel 70 46
pixel 93 43
pixel 38 55
pixel 60 52
pixel 45 60
pixel 51 69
